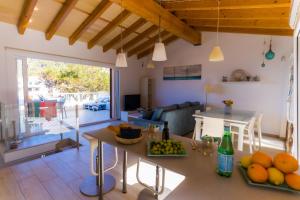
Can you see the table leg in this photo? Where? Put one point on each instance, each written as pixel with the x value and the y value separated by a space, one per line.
pixel 198 129
pixel 241 137
pixel 157 182
pixel 77 126
pixel 124 190
pixel 100 169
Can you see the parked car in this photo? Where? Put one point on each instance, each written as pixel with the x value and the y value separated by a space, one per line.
pixel 103 103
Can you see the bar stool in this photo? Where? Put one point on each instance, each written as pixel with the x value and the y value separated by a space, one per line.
pixel 89 186
pixel 157 189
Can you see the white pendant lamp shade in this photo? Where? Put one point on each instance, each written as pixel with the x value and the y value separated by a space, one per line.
pixel 159 53
pixel 216 54
pixel 121 60
pixel 121 57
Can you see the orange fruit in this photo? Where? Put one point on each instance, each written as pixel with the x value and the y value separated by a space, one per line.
pixel 262 158
pixel 257 173
pixel 293 181
pixel 115 129
pixel 285 163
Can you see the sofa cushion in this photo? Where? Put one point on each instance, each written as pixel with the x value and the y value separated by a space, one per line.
pixel 196 103
pixel 171 107
pixel 188 102
pixel 156 114
pixel 184 105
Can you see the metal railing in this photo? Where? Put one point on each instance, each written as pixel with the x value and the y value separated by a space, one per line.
pixel 20 122
pixel 82 97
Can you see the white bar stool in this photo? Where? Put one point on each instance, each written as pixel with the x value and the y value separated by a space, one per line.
pixel 89 186
pixel 157 189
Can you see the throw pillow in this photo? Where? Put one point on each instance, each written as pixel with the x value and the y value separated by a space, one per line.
pixel 157 114
pixel 147 114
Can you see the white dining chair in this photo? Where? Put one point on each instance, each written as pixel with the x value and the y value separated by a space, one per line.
pixel 209 126
pixel 213 127
pixel 251 136
pixel 257 129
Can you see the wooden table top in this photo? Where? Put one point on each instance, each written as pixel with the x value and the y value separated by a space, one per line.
pixel 201 180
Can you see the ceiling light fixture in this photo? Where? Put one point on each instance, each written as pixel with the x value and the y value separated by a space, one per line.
pixel 159 53
pixel 216 54
pixel 121 56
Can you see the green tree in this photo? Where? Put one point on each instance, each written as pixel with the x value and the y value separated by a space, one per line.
pixel 70 78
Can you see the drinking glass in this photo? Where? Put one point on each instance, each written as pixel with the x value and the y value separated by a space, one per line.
pixel 207 146
pixel 152 132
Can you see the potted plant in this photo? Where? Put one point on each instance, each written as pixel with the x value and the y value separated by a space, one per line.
pixel 228 106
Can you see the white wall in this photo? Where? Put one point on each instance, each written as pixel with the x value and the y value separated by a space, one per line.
pixel 241 51
pixel 35 41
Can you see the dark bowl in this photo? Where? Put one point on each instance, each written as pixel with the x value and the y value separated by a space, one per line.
pixel 130 133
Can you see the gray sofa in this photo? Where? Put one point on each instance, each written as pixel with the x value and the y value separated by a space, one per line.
pixel 179 117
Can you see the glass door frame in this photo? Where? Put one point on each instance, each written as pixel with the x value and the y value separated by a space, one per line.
pixel 17 53
pixel 296 138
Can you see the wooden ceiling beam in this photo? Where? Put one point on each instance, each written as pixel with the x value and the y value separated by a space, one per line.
pixel 279 24
pixel 27 11
pixel 115 22
pixel 146 44
pixel 276 13
pixel 225 4
pixel 97 12
pixel 261 31
pixel 151 10
pixel 125 34
pixel 166 41
pixel 138 38
pixel 60 17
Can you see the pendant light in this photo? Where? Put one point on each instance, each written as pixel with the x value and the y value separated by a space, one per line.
pixel 159 53
pixel 216 54
pixel 270 54
pixel 121 56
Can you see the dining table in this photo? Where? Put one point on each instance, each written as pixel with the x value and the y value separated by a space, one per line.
pixel 237 118
pixel 201 182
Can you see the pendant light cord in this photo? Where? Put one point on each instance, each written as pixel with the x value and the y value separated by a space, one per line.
pixel 121 29
pixel 218 23
pixel 159 39
pixel 159 19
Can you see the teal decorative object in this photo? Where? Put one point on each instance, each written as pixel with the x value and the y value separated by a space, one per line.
pixel 270 54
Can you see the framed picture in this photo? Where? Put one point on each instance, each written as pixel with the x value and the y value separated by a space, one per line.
pixel 189 72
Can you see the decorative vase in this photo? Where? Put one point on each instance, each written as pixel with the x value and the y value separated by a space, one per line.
pixel 227 110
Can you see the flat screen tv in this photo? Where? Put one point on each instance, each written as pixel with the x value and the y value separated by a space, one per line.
pixel 132 102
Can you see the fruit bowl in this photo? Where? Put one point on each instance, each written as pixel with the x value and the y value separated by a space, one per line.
pixel 167 148
pixel 128 141
pixel 282 187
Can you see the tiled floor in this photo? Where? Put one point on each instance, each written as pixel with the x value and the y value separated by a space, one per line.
pixel 58 176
